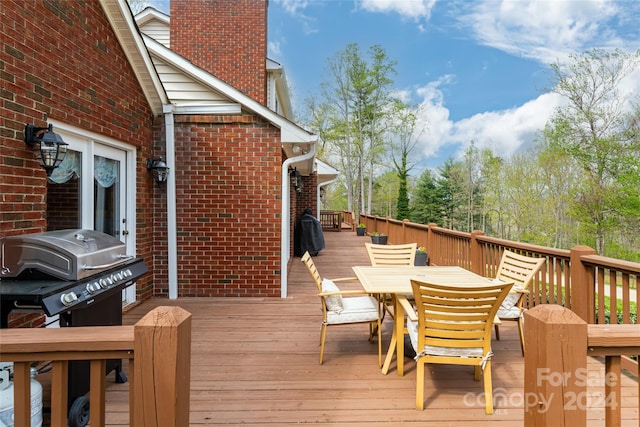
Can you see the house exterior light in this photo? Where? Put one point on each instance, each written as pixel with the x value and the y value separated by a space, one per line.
pixel 48 147
pixel 158 169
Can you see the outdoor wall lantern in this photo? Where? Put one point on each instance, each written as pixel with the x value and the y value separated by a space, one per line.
pixel 159 170
pixel 296 180
pixel 48 147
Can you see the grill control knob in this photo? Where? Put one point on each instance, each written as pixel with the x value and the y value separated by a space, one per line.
pixel 68 299
pixel 127 273
pixel 94 287
pixel 104 284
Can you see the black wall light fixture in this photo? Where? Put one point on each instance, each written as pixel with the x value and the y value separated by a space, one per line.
pixel 48 147
pixel 159 170
pixel 296 180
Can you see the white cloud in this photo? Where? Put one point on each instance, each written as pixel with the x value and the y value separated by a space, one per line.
pixel 296 9
pixel 293 6
pixel 505 132
pixel 274 48
pixel 547 30
pixel 415 9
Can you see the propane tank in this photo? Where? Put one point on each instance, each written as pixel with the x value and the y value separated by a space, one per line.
pixel 6 397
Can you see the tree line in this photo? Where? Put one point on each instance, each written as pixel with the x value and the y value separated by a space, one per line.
pixel 578 184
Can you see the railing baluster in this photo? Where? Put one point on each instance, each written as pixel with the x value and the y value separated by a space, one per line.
pixel 96 393
pixel 22 393
pixel 613 391
pixel 59 392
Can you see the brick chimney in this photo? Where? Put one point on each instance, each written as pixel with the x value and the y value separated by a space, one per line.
pixel 228 38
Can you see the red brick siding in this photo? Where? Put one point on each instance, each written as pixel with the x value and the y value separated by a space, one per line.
pixel 21 319
pixel 228 207
pixel 228 38
pixel 61 60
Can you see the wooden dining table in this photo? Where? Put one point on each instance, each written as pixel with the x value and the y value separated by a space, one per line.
pixel 396 281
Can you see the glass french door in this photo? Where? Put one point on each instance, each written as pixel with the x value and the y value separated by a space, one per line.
pixel 91 189
pixel 109 198
pixel 109 190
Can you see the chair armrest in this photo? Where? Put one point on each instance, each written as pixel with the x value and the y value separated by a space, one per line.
pixel 408 308
pixel 327 294
pixel 344 279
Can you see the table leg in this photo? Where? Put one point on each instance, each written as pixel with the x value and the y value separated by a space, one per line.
pixel 398 323
pixel 390 352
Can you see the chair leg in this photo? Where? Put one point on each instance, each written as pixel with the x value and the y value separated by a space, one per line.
pixel 488 389
pixel 379 343
pixel 497 328
pixel 521 331
pixel 420 385
pixel 323 336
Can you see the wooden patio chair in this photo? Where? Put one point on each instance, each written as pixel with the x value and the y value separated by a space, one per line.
pixel 520 270
pixel 356 307
pixel 451 324
pixel 391 255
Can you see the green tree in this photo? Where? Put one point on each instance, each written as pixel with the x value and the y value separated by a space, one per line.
pixel 451 189
pixel 426 206
pixel 404 133
pixel 351 118
pixel 594 129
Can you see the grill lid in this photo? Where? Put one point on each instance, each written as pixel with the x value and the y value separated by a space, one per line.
pixel 66 254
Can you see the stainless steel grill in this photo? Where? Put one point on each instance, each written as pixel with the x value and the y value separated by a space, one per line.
pixel 78 274
pixel 61 271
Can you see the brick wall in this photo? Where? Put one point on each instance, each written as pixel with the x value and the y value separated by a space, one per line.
pixel 61 60
pixel 228 207
pixel 228 38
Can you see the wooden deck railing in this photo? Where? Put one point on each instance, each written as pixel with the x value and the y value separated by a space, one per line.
pixel 555 382
pixel 591 286
pixel 158 349
pixel 331 220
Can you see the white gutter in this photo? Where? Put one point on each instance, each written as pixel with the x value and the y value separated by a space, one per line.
pixel 318 195
pixel 285 217
pixel 172 241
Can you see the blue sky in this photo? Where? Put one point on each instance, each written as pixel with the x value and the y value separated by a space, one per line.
pixel 478 68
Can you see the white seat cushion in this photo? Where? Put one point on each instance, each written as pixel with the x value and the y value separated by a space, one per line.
pixel 412 329
pixel 355 309
pixel 333 302
pixel 508 309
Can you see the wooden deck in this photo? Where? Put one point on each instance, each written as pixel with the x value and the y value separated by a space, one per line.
pixel 255 362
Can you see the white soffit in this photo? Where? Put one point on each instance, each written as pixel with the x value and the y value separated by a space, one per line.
pixel 325 172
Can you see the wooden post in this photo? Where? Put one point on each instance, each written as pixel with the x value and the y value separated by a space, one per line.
pixel 431 244
pixel 555 368
pixel 582 285
pixel 162 364
pixel 477 264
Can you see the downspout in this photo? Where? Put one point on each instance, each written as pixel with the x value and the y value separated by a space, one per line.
pixel 318 201
pixel 285 217
pixel 172 243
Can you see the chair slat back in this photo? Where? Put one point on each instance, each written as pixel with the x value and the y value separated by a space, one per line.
pixel 518 268
pixel 457 316
pixel 391 254
pixel 311 266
